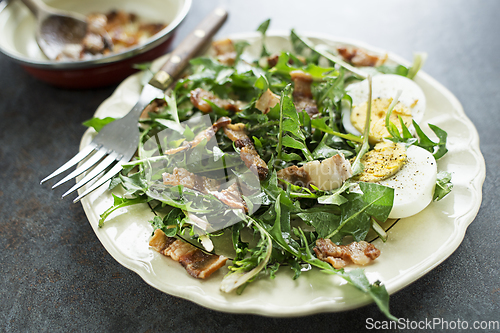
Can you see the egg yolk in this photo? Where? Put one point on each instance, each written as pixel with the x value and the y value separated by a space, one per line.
pixel 378 131
pixel 382 162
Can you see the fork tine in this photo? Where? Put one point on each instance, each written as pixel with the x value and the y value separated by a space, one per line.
pixel 82 168
pixel 94 173
pixel 74 160
pixel 113 171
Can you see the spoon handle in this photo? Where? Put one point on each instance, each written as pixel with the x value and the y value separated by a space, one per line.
pixel 189 47
pixel 37 7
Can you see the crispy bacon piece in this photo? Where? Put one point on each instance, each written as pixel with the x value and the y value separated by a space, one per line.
pixel 196 262
pixel 119 18
pixel 252 159
pixel 205 134
pixel 295 175
pixel 94 42
pixel 181 176
pixel 302 94
pixel 198 97
pixel 360 253
pixel 225 50
pixel 248 153
pixel 151 28
pixel 267 101
pixel 326 175
pixel 272 60
pixel 153 107
pixel 360 57
pixel 231 197
pixel 235 131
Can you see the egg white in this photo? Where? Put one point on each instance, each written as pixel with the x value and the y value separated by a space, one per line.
pixel 414 184
pixel 385 86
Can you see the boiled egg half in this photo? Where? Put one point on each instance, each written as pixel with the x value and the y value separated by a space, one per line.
pixel 411 105
pixel 411 172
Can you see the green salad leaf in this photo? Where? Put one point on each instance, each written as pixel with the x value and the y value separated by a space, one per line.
pixel 98 123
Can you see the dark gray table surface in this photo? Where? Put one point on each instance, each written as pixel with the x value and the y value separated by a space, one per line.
pixel 56 275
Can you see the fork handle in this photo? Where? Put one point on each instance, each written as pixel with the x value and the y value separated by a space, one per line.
pixel 192 44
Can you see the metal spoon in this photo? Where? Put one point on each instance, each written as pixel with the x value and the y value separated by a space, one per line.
pixel 56 28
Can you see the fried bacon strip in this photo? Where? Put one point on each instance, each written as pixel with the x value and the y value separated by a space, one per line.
pixel 205 134
pixel 96 40
pixel 196 262
pixel 225 50
pixel 326 175
pixel 199 96
pixel 295 175
pixel 273 60
pixel 359 253
pixel 153 107
pixel 360 57
pixel 248 153
pixel 119 25
pixel 302 94
pixel 267 101
pixel 181 176
pixel 231 196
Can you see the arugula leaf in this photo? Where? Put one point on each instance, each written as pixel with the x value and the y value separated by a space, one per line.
pixel 263 29
pixel 262 83
pixel 170 224
pixel 376 291
pixel 244 270
pixel 98 123
pixel 118 203
pixel 300 46
pixel 437 149
pixel 288 141
pixel 134 184
pixel 443 185
pixel 398 70
pixel 320 123
pixel 290 128
pixel 323 222
pixel 240 47
pixel 282 221
pixel 375 200
pixel 284 67
pixel 335 197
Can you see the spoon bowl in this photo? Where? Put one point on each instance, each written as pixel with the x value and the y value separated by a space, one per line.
pixel 56 29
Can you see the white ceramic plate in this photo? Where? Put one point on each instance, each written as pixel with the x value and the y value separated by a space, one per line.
pixel 436 232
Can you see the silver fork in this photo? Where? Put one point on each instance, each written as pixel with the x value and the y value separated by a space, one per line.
pixel 116 143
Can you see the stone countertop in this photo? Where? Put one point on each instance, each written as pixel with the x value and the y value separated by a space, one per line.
pixel 57 277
